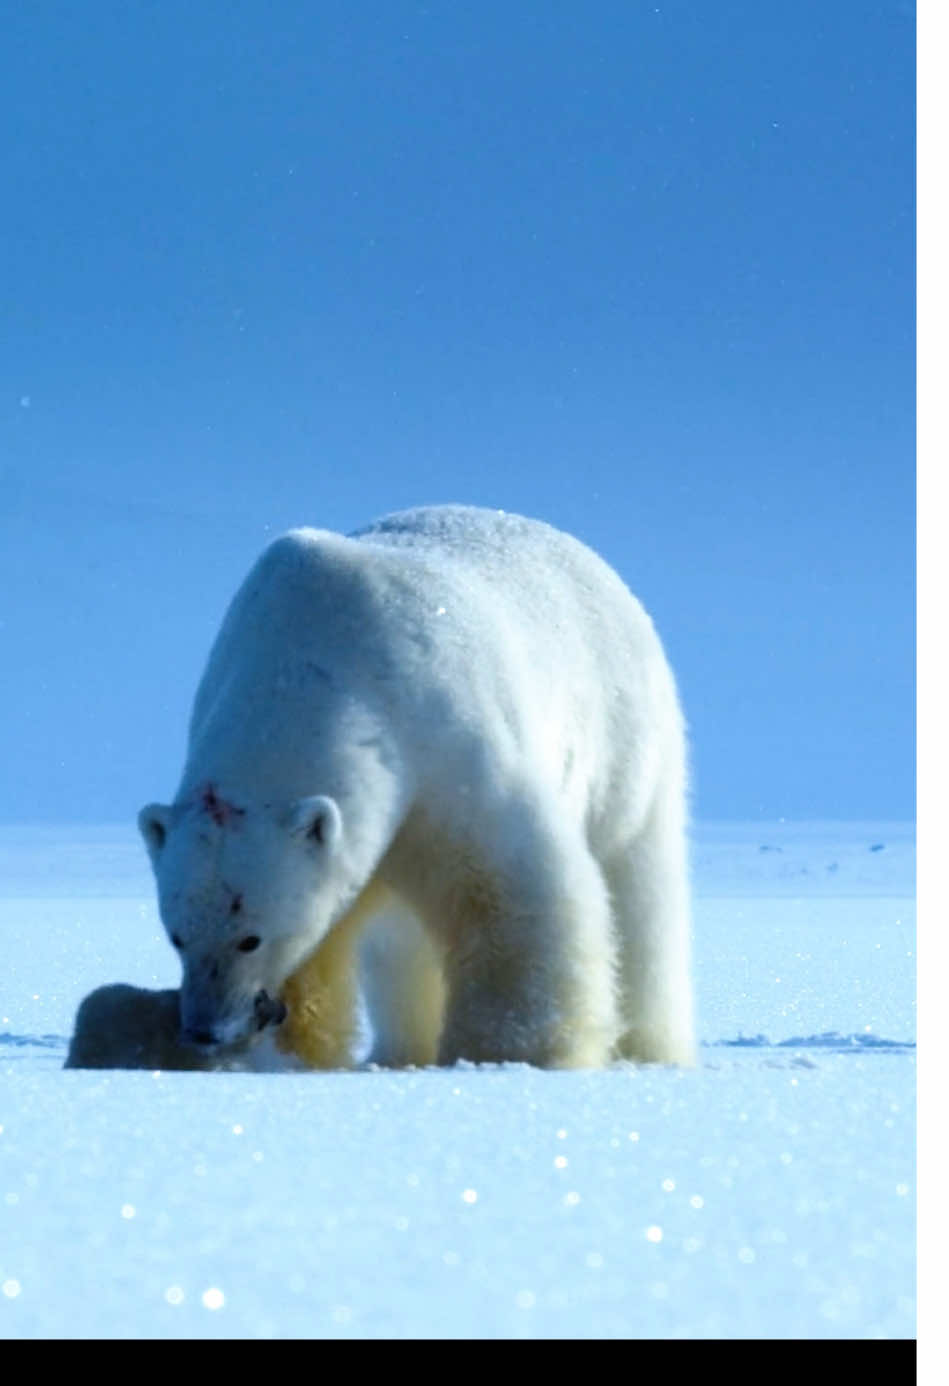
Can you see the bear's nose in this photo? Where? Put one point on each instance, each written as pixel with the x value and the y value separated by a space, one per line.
pixel 267 1011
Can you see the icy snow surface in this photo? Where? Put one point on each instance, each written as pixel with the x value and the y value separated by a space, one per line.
pixel 768 1193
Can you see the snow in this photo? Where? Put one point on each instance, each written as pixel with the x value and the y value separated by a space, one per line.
pixel 770 1192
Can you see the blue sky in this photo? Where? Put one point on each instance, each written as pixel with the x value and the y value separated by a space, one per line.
pixel 644 271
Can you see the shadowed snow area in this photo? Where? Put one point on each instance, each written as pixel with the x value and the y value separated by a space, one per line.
pixel 770 1192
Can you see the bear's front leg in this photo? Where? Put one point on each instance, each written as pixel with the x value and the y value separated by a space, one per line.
pixel 321 996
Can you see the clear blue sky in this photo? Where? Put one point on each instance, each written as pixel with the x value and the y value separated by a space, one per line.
pixel 642 270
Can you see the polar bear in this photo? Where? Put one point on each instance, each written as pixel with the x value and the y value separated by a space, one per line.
pixel 457 730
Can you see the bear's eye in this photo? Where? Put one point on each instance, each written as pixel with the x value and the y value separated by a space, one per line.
pixel 248 944
pixel 176 941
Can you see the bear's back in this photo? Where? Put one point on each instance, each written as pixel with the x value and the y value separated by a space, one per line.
pixel 448 616
pixel 497 544
pixel 450 583
pixel 533 623
pixel 518 565
pixel 541 648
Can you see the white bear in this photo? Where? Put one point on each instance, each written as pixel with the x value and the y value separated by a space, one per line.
pixel 458 726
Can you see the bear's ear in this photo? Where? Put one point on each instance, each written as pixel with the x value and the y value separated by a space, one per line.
pixel 153 823
pixel 317 820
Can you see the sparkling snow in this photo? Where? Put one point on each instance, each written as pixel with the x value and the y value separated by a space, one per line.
pixel 768 1193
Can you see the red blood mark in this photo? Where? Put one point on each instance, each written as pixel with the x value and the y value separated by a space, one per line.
pixel 222 813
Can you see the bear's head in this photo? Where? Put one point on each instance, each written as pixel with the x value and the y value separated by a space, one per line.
pixel 246 893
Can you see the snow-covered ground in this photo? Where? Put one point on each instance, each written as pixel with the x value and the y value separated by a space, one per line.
pixel 770 1192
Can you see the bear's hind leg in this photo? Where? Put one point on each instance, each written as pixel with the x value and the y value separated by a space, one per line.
pixel 529 958
pixel 650 891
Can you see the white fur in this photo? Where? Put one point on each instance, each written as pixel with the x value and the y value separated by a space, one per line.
pixel 470 710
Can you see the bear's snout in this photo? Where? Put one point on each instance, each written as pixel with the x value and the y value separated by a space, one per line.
pixel 267 1011
pixel 199 1029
